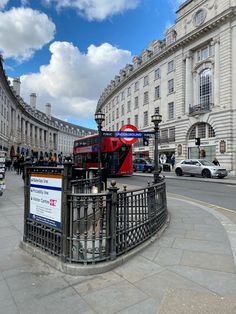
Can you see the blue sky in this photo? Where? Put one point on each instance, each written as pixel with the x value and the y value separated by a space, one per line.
pixel 67 51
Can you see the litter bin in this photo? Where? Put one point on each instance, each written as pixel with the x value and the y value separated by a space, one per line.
pixel 166 167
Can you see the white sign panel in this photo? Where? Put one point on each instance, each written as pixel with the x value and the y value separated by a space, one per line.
pixel 45 199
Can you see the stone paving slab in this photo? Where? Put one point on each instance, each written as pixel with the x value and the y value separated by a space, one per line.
pixel 181 301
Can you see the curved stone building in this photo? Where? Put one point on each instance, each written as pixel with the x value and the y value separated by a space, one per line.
pixel 24 129
pixel 189 78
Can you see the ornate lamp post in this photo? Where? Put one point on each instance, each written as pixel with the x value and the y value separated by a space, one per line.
pixel 99 118
pixel 156 119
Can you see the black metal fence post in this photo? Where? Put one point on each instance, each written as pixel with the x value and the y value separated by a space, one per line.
pixel 112 218
pixel 65 214
pixel 26 200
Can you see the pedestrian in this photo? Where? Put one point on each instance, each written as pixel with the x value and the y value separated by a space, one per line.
pixel 172 161
pixel 216 162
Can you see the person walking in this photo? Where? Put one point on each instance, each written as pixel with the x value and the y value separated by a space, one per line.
pixel 216 162
pixel 172 161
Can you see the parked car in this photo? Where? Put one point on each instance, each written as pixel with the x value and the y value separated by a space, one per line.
pixel 200 167
pixel 144 165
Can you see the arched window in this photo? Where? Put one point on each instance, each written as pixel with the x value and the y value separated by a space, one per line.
pixel 202 130
pixel 205 88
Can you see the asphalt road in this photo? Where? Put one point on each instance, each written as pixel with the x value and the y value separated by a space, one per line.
pixel 222 195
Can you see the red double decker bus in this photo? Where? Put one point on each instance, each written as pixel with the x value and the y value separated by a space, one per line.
pixel 116 157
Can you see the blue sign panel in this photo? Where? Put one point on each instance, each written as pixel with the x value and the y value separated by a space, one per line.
pixel 129 134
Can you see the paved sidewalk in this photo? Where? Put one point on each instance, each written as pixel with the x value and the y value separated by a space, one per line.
pixel 190 269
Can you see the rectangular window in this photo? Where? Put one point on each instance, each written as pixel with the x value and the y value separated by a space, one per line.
pixel 164 135
pixel 136 120
pixel 128 121
pixel 157 74
pixel 122 122
pixel 109 118
pixel 129 91
pixel 122 96
pixel 203 53
pixel 136 102
pixel 136 86
pixel 145 118
pixel 157 110
pixel 117 99
pixel 145 80
pixel 172 134
pixel 117 112
pixel 170 66
pixel 145 98
pixel 113 116
pixel 117 126
pixel 157 92
pixel 129 106
pixel 171 110
pixel 122 110
pixel 170 86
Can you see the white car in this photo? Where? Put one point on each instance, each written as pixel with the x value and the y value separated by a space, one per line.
pixel 200 167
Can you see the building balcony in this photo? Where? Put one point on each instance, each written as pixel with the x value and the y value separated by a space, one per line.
pixel 200 109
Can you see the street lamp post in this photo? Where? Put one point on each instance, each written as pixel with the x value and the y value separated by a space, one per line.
pixel 99 118
pixel 156 119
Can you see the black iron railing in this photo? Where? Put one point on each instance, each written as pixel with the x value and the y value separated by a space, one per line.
pixel 96 227
pixel 85 185
pixel 104 226
pixel 200 108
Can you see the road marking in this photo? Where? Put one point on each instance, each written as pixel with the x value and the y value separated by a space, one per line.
pixel 203 203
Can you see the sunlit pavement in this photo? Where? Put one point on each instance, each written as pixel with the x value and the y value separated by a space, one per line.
pixel 190 269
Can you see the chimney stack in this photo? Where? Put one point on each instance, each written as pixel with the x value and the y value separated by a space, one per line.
pixel 48 110
pixel 16 85
pixel 33 101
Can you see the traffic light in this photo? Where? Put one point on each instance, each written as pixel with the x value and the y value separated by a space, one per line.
pixel 197 141
pixel 145 141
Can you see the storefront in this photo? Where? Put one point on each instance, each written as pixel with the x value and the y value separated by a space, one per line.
pixel 207 150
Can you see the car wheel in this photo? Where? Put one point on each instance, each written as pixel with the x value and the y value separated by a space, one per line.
pixel 149 170
pixel 179 172
pixel 206 173
pixel 221 177
pixel 134 169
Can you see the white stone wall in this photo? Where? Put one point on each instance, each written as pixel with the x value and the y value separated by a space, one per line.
pixel 221 40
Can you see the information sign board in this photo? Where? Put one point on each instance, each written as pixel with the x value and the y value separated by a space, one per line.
pixel 46 199
pixel 2 171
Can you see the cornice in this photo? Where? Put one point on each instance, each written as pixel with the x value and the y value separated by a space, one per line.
pixel 180 43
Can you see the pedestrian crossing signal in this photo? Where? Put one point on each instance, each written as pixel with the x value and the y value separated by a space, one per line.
pixel 145 141
pixel 197 141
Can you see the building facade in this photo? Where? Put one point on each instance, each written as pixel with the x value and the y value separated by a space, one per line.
pixel 189 77
pixel 26 130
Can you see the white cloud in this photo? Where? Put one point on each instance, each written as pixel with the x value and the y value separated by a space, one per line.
pixel 3 3
pixel 95 9
pixel 176 3
pixel 29 31
pixel 72 82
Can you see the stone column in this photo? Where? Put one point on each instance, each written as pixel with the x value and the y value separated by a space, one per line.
pixel 23 131
pixel 28 133
pixel 188 82
pixel 233 65
pixel 217 73
pixel 33 136
pixel 38 137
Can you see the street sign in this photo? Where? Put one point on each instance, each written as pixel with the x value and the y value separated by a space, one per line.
pixel 129 128
pixel 129 134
